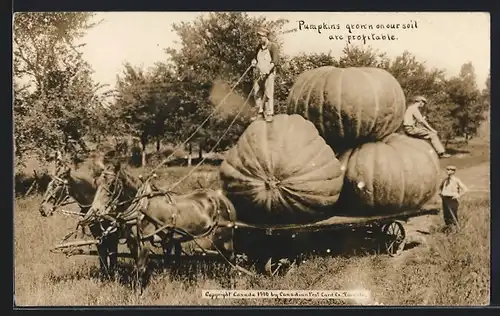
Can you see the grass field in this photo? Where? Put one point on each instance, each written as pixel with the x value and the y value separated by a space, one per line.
pixel 444 269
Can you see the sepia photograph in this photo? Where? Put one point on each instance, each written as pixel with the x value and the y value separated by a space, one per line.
pixel 251 159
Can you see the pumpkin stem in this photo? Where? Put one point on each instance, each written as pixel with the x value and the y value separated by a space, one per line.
pixel 272 183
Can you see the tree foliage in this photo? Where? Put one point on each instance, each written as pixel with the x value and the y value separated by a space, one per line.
pixel 469 109
pixel 145 99
pixel 216 50
pixel 55 97
pixel 54 92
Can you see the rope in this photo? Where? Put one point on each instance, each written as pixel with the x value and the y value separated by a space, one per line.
pixel 203 123
pixel 216 144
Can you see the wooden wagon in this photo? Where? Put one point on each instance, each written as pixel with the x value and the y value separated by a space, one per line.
pixel 275 248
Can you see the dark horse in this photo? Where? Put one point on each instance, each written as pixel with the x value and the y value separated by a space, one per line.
pixel 204 216
pixel 65 185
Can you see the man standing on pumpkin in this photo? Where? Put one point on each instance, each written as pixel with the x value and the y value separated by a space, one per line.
pixel 413 117
pixel 265 61
pixel 451 190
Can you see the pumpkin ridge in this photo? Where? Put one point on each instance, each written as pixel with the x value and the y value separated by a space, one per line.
pixel 294 199
pixel 312 187
pixel 399 95
pixel 284 201
pixel 303 156
pixel 393 124
pixel 247 147
pixel 317 154
pixel 266 156
pixel 231 171
pixel 412 145
pixel 311 90
pixel 323 98
pixel 339 100
pixel 402 198
pixel 237 174
pixel 302 86
pixel 428 155
pixel 316 172
pixel 371 188
pixel 392 142
pixel 303 200
pixel 421 186
pixel 330 113
pixel 377 105
pixel 272 138
pixel 286 147
pixel 305 102
pixel 253 171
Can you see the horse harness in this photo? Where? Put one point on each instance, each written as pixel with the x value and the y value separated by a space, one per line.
pixel 63 196
pixel 134 214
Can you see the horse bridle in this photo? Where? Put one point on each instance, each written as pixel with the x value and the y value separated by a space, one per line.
pixel 115 193
pixel 63 196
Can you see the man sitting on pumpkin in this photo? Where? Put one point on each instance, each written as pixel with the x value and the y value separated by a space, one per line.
pixel 416 126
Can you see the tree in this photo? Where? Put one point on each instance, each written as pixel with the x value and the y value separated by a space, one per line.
pixel 54 89
pixel 145 99
pixel 486 92
pixel 360 56
pixel 216 49
pixel 484 128
pixel 414 77
pixel 469 109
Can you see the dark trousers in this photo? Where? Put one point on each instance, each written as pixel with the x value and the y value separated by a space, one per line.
pixel 450 210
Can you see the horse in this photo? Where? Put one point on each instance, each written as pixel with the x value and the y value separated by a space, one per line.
pixel 165 217
pixel 65 185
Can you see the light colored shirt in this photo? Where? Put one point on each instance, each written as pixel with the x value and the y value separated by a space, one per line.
pixel 452 187
pixel 266 56
pixel 412 115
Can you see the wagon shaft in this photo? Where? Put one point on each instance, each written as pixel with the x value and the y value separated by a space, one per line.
pixel 79 243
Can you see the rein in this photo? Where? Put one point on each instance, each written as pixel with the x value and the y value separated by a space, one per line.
pixel 172 226
pixel 112 203
pixel 135 215
pixel 134 210
pixel 63 196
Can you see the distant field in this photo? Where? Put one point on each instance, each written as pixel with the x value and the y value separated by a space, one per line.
pixel 444 269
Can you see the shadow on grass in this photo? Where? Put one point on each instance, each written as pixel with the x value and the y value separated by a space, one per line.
pixel 37 183
pixel 182 162
pixel 455 151
pixel 188 272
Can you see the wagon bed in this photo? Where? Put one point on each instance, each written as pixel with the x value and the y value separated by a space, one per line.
pixel 339 222
pixel 271 253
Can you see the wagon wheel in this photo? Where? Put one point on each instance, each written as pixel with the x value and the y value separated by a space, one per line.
pixel 275 267
pixel 394 238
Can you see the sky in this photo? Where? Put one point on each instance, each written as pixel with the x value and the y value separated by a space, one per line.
pixel 444 40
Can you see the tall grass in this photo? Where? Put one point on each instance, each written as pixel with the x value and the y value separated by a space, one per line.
pixel 451 269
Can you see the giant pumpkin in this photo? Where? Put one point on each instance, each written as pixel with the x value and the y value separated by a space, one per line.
pixel 349 106
pixel 281 172
pixel 395 174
